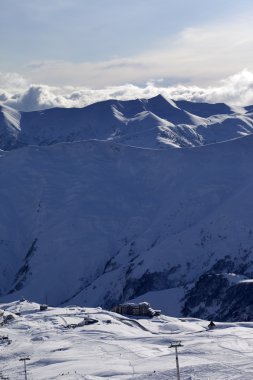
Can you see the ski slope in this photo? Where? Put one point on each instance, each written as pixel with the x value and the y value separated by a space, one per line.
pixel 119 347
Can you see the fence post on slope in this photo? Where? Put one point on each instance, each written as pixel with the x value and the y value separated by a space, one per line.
pixel 176 345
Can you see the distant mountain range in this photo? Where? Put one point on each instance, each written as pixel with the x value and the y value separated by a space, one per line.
pixel 98 207
pixel 148 123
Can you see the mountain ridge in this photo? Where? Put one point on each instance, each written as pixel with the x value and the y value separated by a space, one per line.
pixel 155 123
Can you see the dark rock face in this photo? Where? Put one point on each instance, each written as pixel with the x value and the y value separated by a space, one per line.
pixel 237 304
pixel 214 297
pixel 203 300
pixel 224 292
pixel 148 282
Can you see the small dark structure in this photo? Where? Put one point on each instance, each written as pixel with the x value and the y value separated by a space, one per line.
pixel 142 309
pixel 86 321
pixel 43 307
pixel 211 325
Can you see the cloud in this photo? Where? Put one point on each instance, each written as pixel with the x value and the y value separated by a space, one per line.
pixel 201 55
pixel 12 81
pixel 235 90
pixel 35 98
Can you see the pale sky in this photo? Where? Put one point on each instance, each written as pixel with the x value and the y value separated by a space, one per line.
pixel 99 43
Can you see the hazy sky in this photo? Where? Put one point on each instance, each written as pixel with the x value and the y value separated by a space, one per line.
pixel 99 43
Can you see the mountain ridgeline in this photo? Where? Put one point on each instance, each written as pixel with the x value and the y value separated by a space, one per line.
pixel 148 123
pixel 98 207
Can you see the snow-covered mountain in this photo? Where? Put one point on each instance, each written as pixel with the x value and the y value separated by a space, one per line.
pixel 97 221
pixel 147 123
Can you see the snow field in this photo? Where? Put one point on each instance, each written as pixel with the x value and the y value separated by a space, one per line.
pixel 119 347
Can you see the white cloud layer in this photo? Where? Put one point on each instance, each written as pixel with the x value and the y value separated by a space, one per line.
pixel 201 55
pixel 15 92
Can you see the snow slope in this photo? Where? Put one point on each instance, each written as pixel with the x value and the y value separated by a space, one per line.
pixel 148 123
pixel 9 127
pixel 96 223
pixel 118 347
